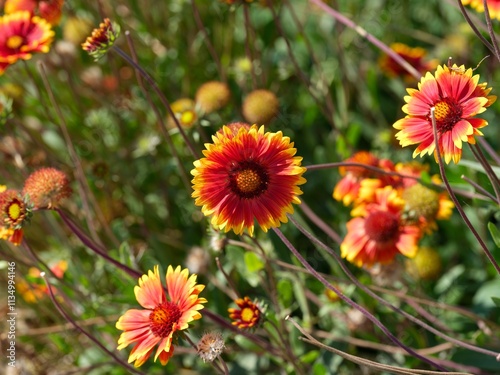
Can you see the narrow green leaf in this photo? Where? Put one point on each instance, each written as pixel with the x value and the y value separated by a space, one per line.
pixel 495 233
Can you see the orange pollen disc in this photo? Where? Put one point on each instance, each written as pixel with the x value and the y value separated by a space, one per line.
pixel 447 112
pixel 248 179
pixel 382 226
pixel 247 314
pixel 14 42
pixel 163 318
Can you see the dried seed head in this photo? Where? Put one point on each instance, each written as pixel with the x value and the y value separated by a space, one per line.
pixel 210 346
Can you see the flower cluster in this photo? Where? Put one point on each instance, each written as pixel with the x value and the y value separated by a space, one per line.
pixel 33 288
pixel 391 210
pixel 43 189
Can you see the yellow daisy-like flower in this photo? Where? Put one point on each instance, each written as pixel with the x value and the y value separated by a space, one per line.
pixel 247 176
pixel 457 98
pixel 160 318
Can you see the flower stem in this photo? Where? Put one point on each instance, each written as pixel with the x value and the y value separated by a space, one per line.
pixel 160 94
pixel 94 247
pixel 80 329
pixel 454 198
pixel 350 302
pixel 369 37
pixel 383 301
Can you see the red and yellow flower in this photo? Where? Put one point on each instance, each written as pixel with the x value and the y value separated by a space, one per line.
pixel 251 175
pixel 493 7
pixel 161 318
pixel 21 35
pixel 360 182
pixel 247 315
pixel 15 211
pixel 101 39
pixel 414 56
pixel 49 10
pixel 457 98
pixel 378 233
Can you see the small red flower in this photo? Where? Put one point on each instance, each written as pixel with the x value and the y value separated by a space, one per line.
pixel 14 213
pixel 247 316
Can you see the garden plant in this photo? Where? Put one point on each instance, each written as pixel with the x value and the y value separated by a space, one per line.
pixel 249 187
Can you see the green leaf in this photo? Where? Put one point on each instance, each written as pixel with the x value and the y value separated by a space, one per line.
pixel 485 294
pixel 495 233
pixel 496 301
pixel 253 262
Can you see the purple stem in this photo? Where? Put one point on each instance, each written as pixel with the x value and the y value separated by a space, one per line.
pixel 369 37
pixel 351 303
pixel 92 338
pixel 384 302
pixel 454 198
pixel 94 247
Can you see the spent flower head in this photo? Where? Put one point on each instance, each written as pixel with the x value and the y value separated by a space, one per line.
pixel 102 39
pixel 46 187
pixel 210 346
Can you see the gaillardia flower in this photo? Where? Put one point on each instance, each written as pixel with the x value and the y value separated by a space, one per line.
pixel 47 187
pixel 15 211
pixel 21 35
pixel 247 316
pixel 457 97
pixel 102 39
pixel 493 7
pixel 212 96
pixel 161 318
pixel 423 206
pixel 184 111
pixel 260 107
pixel 248 176
pixel 349 188
pixel 414 56
pixel 377 233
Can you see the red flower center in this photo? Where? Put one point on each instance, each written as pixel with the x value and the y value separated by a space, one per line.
pixel 382 226
pixel 248 179
pixel 163 318
pixel 447 112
